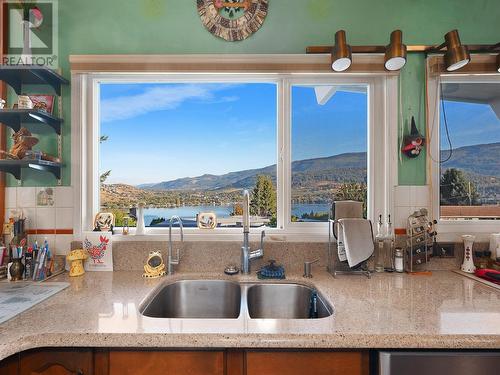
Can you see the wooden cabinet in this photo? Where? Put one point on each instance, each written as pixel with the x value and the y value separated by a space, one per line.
pixel 307 362
pixel 57 362
pixel 186 362
pixel 166 362
pixel 10 366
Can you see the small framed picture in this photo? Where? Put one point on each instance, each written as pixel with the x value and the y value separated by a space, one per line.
pixel 43 103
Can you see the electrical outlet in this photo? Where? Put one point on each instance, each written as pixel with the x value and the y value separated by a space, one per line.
pixel 444 250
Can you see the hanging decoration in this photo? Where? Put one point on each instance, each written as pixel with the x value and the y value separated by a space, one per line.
pixel 232 20
pixel 414 142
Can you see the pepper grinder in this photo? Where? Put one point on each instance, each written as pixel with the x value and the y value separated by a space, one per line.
pixel 468 263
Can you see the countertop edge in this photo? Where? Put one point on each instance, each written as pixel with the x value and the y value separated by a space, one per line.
pixel 260 341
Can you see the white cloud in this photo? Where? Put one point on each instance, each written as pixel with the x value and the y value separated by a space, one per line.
pixel 158 99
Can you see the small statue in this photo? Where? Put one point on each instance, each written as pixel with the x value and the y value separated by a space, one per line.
pixel 77 257
pixel 24 142
pixel 2 104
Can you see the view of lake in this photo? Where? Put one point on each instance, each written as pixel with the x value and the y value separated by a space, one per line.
pixel 188 213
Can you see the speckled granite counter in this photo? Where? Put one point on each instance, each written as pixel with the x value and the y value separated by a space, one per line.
pixel 444 310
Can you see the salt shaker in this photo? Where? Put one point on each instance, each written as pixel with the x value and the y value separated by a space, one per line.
pixel 398 259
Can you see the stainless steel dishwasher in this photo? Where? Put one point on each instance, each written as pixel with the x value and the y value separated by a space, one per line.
pixel 439 362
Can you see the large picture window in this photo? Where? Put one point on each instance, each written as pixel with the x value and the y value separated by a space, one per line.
pixel 185 144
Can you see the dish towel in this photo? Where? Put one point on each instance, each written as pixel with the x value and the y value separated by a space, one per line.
pixel 358 240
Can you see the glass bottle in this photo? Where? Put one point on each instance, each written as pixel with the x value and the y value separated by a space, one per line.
pixel 389 245
pixel 379 250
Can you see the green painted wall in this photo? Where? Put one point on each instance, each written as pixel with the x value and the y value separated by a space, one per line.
pixel 173 27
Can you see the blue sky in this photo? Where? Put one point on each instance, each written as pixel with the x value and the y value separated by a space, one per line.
pixel 469 124
pixel 160 132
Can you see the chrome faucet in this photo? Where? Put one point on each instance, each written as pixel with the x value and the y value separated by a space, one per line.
pixel 246 254
pixel 171 260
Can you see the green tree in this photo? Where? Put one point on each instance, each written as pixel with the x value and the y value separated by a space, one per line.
pixel 237 209
pixel 457 190
pixel 119 215
pixel 354 191
pixel 263 202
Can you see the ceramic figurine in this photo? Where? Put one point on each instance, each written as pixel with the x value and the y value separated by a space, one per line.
pixel 154 266
pixel 2 104
pixel 468 263
pixel 104 222
pixel 77 257
pixel 206 220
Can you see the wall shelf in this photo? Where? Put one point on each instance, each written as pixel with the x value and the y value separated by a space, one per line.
pixel 13 118
pixel 14 167
pixel 19 75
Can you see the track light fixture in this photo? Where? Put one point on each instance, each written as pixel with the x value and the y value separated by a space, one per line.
pixel 457 55
pixel 341 53
pixel 395 52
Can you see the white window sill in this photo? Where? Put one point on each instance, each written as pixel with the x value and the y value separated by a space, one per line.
pixel 452 230
pixel 195 235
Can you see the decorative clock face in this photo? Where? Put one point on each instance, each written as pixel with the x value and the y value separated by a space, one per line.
pixel 232 19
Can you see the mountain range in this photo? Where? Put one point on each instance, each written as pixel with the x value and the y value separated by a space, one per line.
pixel 478 160
pixel 349 166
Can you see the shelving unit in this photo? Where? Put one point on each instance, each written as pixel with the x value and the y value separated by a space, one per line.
pixel 14 166
pixel 14 118
pixel 17 77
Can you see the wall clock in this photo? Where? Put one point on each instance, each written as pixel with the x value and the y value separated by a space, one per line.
pixel 233 19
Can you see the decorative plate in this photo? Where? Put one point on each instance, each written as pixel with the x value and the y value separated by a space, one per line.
pixel 233 19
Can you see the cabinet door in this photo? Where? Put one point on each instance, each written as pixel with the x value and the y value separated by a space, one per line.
pixel 57 362
pixel 9 366
pixel 304 362
pixel 166 363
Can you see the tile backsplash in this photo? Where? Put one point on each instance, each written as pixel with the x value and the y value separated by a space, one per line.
pixel 48 213
pixel 408 199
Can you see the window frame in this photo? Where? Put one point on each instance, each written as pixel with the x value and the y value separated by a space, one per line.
pixel 449 230
pixel 382 146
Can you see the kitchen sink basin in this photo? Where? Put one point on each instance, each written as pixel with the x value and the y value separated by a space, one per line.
pixel 197 299
pixel 286 301
pixel 219 299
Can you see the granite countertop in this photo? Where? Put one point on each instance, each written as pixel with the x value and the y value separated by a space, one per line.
pixel 100 309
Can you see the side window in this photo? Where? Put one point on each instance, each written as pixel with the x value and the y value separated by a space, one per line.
pixel 469 151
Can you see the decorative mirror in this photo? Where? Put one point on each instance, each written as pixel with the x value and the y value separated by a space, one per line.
pixel 232 20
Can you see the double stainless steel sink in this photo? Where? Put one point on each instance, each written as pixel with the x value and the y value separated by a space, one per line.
pixel 220 299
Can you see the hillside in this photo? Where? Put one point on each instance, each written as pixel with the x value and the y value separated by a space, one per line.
pixel 313 180
pixel 478 159
pixel 343 167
